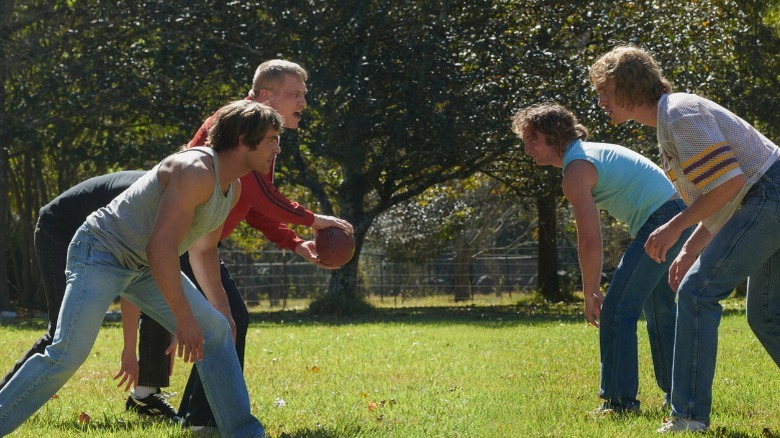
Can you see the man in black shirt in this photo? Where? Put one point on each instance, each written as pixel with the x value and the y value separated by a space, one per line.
pixel 57 223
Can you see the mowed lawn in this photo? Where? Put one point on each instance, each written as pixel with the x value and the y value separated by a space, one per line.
pixel 421 369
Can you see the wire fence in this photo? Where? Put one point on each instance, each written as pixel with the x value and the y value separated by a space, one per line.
pixel 275 276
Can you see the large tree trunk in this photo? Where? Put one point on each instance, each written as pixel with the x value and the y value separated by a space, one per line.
pixel 547 271
pixel 5 139
pixel 342 297
pixel 462 270
pixel 5 298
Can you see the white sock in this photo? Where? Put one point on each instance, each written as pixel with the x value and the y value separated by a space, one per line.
pixel 143 391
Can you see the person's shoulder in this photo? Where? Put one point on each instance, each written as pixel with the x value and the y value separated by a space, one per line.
pixel 193 168
pixel 683 103
pixel 680 107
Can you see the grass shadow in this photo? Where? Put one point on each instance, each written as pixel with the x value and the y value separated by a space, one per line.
pixel 493 315
pixel 523 313
pixel 529 312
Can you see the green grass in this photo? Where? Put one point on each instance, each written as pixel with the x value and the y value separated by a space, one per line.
pixel 434 369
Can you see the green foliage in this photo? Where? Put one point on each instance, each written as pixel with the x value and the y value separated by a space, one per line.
pixel 421 228
pixel 405 96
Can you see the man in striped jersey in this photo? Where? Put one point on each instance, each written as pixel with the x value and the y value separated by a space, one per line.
pixel 728 174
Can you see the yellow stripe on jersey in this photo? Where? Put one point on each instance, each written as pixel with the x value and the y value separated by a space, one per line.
pixel 702 154
pixel 733 164
pixel 706 166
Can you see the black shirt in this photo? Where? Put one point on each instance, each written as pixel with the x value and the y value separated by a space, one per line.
pixel 66 213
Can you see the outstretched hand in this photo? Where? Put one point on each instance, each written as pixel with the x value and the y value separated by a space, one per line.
pixel 128 371
pixel 308 250
pixel 190 341
pixel 592 310
pixel 169 352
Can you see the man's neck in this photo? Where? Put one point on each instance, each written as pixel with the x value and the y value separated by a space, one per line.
pixel 231 167
pixel 646 115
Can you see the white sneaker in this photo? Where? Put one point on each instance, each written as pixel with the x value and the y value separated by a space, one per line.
pixel 682 425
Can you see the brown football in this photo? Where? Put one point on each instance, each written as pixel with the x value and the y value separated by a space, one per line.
pixel 334 246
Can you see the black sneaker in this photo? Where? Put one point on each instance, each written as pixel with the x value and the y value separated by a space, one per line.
pixel 154 405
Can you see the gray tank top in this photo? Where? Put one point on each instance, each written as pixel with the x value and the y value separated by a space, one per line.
pixel 124 225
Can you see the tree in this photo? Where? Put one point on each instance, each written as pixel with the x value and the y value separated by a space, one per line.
pixel 463 218
pixel 405 96
pixel 90 87
pixel 706 47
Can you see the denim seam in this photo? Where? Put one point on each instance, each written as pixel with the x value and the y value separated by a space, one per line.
pixel 54 363
pixel 696 297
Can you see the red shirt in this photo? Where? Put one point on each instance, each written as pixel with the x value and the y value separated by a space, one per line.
pixel 261 204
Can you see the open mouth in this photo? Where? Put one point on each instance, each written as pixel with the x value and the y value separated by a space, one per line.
pixel 297 115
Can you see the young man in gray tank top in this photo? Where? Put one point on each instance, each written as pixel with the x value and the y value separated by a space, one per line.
pixel 131 248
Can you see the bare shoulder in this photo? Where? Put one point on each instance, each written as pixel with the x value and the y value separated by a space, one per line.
pixel 579 179
pixel 191 173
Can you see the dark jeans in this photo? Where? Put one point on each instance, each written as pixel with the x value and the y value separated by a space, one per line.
pixel 153 364
pixel 51 249
pixel 194 408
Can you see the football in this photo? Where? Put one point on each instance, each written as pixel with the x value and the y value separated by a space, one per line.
pixel 334 246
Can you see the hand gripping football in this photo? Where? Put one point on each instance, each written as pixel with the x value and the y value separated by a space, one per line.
pixel 335 246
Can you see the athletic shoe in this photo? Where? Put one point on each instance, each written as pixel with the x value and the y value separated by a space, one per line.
pixel 682 425
pixel 154 405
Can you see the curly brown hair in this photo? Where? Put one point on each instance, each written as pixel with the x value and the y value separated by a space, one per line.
pixel 558 125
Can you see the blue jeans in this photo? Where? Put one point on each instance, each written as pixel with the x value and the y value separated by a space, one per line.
pixel 94 278
pixel 194 409
pixel 748 245
pixel 640 284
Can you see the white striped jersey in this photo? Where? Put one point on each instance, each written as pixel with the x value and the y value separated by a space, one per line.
pixel 703 145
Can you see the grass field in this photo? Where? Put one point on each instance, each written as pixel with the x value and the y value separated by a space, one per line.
pixel 491 368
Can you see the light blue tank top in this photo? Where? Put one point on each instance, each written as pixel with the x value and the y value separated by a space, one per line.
pixel 124 225
pixel 630 187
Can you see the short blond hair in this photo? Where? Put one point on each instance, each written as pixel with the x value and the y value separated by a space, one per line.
pixel 270 74
pixel 637 76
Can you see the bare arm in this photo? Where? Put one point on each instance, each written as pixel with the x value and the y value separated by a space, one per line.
pixel 666 235
pixel 186 185
pixel 204 260
pixel 688 255
pixel 128 369
pixel 578 181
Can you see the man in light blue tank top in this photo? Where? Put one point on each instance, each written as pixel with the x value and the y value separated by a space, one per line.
pixel 598 176
pixel 131 248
